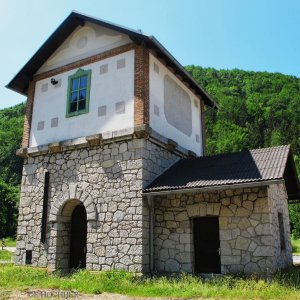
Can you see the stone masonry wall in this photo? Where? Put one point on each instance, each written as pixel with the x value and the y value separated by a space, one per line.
pixel 279 204
pixel 108 180
pixel 247 237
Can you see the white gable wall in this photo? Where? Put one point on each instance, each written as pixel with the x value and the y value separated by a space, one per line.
pixel 175 112
pixel 84 41
pixel 107 89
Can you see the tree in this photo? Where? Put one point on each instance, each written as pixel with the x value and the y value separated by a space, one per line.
pixel 8 209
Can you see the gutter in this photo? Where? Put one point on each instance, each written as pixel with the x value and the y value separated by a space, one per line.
pixel 151 233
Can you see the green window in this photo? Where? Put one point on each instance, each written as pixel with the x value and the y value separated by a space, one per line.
pixel 79 93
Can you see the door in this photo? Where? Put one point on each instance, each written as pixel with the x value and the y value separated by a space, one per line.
pixel 78 238
pixel 206 245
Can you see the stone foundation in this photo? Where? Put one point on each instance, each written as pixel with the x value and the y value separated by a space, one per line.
pixel 108 180
pixel 248 222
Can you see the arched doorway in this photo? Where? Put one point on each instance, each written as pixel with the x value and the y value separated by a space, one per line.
pixel 78 233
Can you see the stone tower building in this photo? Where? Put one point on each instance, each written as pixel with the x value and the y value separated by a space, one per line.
pixel 109 111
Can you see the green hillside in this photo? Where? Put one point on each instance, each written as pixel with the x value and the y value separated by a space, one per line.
pixel 11 126
pixel 257 109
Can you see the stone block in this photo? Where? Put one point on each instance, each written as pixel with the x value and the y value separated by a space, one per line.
pixel 261 205
pixel 193 210
pixel 118 216
pixel 242 243
pixel 244 223
pixel 226 212
pixel 230 260
pixel 225 201
pixel 264 251
pixel 268 240
pixel 248 205
pixel 252 246
pixel 163 254
pixel 172 266
pixel 225 235
pixel 182 216
pixel 225 248
pixel 229 193
pixel 108 163
pixel 242 212
pixel 185 238
pixel 263 229
pixel 169 244
pixel 216 209
pixel 202 209
pixel 252 196
pixel 251 268
pixel 169 216
pixel 223 223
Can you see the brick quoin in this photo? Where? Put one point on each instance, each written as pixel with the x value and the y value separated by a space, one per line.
pixel 28 115
pixel 141 86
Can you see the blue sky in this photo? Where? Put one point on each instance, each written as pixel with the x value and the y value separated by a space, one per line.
pixel 259 35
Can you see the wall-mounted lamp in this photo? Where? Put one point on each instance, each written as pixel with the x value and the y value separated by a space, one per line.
pixel 53 81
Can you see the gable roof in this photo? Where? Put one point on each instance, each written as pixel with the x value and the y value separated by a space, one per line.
pixel 250 166
pixel 20 82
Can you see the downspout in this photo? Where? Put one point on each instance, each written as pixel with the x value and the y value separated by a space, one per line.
pixel 151 233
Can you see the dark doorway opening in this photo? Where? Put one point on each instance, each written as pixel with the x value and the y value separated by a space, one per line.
pixel 78 238
pixel 206 245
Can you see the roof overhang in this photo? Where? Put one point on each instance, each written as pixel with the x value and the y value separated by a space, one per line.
pixel 213 188
pixel 20 82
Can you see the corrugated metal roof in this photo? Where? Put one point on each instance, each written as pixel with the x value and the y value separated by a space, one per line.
pixel 21 81
pixel 227 169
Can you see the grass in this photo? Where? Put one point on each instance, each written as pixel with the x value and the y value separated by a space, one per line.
pixel 5 255
pixel 285 285
pixel 296 246
pixel 10 242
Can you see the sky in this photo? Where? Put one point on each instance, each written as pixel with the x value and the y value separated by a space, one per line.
pixel 258 35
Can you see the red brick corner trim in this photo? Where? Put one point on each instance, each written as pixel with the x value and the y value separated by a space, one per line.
pixel 141 86
pixel 28 115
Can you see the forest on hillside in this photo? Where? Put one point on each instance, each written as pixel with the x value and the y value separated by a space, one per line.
pixel 257 109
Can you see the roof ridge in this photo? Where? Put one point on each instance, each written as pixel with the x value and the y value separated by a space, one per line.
pixel 245 150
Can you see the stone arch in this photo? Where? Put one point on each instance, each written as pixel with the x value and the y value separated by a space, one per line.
pixel 73 194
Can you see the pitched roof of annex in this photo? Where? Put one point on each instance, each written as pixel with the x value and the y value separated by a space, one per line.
pixel 247 167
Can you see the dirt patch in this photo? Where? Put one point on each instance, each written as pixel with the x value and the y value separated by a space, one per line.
pixel 61 294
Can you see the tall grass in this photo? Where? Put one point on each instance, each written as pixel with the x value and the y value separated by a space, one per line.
pixel 10 242
pixel 285 285
pixel 296 246
pixel 5 255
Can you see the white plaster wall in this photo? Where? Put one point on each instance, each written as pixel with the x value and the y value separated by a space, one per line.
pixel 85 41
pixel 160 123
pixel 117 85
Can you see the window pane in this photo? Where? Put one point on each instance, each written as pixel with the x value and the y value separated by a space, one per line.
pixel 82 95
pixel 83 82
pixel 74 97
pixel 73 106
pixel 75 83
pixel 81 105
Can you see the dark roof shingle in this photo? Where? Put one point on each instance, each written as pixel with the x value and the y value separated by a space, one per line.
pixel 248 166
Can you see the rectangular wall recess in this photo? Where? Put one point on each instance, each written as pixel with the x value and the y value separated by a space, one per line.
pixel 45 207
pixel 28 257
